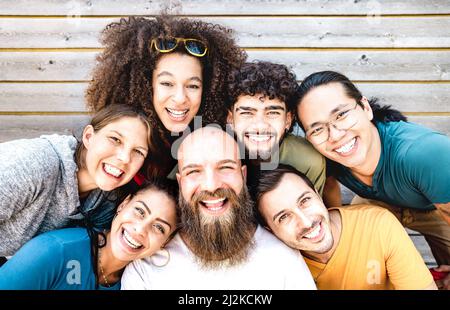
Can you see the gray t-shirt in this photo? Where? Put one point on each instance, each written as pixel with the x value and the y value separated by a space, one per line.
pixel 38 188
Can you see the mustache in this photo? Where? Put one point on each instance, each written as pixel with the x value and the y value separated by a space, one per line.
pixel 226 193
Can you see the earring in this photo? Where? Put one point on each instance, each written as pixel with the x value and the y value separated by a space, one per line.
pixel 160 257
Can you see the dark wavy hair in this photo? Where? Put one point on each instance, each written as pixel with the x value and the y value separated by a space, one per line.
pixel 123 74
pixel 261 77
pixel 381 113
pixel 97 237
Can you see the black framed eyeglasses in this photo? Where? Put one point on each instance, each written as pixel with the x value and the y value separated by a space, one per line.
pixel 168 44
pixel 341 120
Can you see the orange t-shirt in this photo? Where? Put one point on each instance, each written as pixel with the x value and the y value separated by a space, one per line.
pixel 374 252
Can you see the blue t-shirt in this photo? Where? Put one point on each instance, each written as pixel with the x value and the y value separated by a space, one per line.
pixel 413 171
pixel 56 260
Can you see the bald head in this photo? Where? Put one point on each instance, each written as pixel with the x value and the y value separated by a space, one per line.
pixel 208 143
pixel 211 157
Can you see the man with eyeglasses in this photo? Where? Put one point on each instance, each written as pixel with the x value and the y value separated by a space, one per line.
pixel 360 247
pixel 260 113
pixel 380 156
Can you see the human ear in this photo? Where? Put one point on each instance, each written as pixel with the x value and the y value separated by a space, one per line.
pixel 88 132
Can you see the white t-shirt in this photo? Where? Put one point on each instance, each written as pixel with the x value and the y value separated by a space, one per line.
pixel 271 265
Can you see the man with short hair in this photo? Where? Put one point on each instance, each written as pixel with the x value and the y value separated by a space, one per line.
pixel 219 245
pixel 357 247
pixel 261 109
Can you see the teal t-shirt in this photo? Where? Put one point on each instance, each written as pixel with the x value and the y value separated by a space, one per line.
pixel 55 260
pixel 413 171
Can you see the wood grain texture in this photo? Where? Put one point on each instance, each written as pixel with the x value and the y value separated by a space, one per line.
pixel 404 32
pixel 223 7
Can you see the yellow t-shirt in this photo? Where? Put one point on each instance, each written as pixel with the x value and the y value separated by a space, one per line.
pixel 374 253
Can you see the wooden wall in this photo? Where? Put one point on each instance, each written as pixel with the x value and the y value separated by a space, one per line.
pixel 398 50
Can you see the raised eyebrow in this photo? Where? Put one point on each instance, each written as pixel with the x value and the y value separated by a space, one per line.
pixel 275 107
pixel 116 132
pixel 190 166
pixel 196 78
pixel 227 161
pixel 244 108
pixel 301 196
pixel 332 112
pixel 278 214
pixel 164 73
pixel 145 206
pixel 164 221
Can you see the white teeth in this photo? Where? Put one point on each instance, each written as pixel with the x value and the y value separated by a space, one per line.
pixel 314 233
pixel 346 147
pixel 113 170
pixel 213 201
pixel 177 113
pixel 130 241
pixel 259 138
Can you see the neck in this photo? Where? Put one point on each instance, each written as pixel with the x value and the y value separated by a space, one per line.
pixel 365 171
pixel 336 229
pixel 111 266
pixel 85 182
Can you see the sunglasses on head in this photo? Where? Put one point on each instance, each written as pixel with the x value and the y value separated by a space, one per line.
pixel 193 46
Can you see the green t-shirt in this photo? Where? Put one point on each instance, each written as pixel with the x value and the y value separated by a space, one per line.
pixel 300 154
pixel 413 170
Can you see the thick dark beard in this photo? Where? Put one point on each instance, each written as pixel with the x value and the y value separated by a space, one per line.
pixel 220 240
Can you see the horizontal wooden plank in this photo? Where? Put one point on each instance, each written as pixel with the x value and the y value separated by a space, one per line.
pixel 250 32
pixel 32 126
pixel 222 7
pixel 357 65
pixel 69 97
pixel 48 97
pixel 438 123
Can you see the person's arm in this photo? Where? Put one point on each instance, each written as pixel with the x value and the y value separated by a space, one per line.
pixel 429 163
pixel 133 276
pixel 332 193
pixel 36 266
pixel 404 264
pixel 444 210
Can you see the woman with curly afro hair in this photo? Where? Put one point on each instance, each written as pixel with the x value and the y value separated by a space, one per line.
pixel 173 69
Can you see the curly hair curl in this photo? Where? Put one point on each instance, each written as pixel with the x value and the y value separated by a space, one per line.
pixel 123 74
pixel 264 78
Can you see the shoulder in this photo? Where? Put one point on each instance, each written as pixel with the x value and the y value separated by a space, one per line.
pixel 267 242
pixel 367 216
pixel 34 153
pixel 296 149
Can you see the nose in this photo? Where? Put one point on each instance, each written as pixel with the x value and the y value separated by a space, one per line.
pixel 303 221
pixel 179 97
pixel 124 155
pixel 211 181
pixel 335 134
pixel 259 121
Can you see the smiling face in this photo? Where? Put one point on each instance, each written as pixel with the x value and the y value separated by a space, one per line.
pixel 260 124
pixel 208 160
pixel 177 90
pixel 352 148
pixel 142 225
pixel 216 210
pixel 297 216
pixel 114 154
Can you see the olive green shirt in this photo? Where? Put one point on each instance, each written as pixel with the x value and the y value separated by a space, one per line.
pixel 300 154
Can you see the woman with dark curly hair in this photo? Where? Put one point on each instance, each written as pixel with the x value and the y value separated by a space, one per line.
pixel 262 99
pixel 172 68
